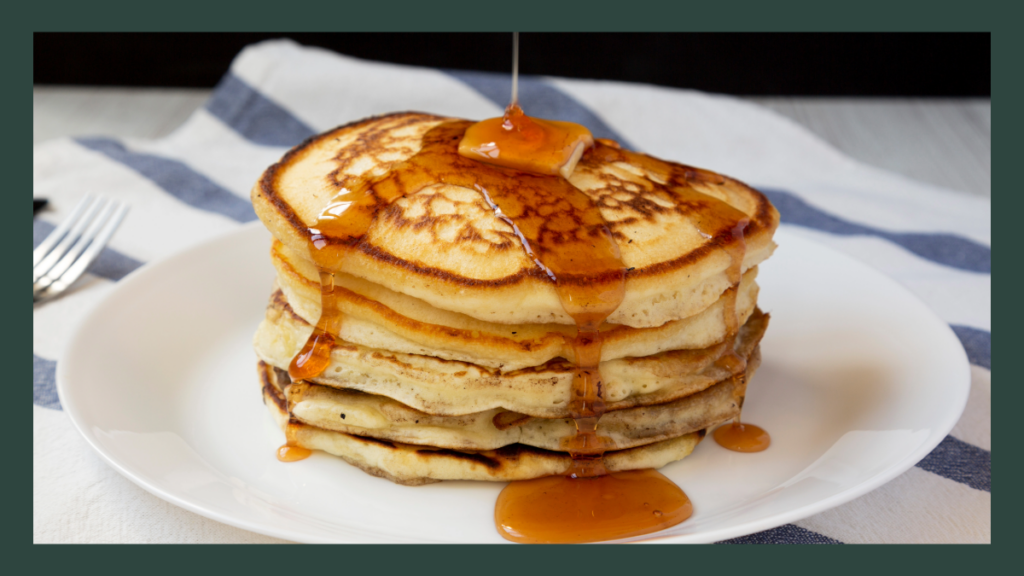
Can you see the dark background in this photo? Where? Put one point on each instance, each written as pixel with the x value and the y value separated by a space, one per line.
pixel 869 64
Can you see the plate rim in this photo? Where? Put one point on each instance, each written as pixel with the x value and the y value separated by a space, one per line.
pixel 127 283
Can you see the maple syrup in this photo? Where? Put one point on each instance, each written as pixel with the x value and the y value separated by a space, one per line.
pixel 520 142
pixel 740 437
pixel 551 510
pixel 288 453
pixel 316 353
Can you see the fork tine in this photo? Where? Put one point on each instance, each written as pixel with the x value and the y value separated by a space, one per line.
pixel 51 240
pixel 86 258
pixel 69 239
pixel 72 254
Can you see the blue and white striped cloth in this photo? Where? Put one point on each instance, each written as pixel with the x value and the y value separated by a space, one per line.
pixel 194 185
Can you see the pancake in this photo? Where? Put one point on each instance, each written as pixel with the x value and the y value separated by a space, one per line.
pixel 380 417
pixel 380 318
pixel 416 465
pixel 444 245
pixel 454 388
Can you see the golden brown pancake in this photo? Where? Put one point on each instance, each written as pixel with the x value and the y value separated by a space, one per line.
pixel 444 245
pixel 416 465
pixel 454 388
pixel 376 317
pixel 381 417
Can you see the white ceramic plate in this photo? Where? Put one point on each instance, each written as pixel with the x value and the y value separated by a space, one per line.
pixel 859 381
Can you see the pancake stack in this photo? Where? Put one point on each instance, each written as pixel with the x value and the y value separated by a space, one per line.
pixel 454 358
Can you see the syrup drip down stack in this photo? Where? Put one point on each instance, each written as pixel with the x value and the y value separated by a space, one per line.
pixel 428 315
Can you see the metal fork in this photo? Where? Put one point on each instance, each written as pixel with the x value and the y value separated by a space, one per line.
pixel 65 254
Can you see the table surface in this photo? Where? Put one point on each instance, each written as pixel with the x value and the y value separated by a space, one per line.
pixel 946 142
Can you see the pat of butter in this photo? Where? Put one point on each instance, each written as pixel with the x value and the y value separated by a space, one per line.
pixel 548 147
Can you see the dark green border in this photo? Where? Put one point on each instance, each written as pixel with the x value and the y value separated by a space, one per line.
pixel 735 15
pixel 530 15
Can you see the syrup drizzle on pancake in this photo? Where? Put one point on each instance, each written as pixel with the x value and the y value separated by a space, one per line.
pixel 291 451
pixel 596 494
pixel 735 436
pixel 587 503
pixel 559 227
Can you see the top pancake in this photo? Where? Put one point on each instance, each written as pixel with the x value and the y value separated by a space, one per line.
pixel 445 245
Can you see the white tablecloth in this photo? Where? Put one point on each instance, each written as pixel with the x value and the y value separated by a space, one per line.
pixel 194 185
